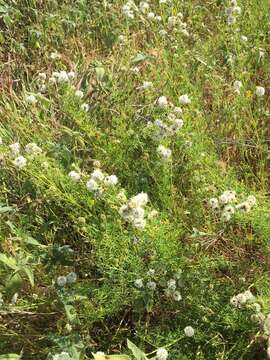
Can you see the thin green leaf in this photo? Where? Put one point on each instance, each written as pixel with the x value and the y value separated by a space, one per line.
pixel 9 261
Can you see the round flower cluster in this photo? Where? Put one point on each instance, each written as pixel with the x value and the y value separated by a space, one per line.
pixel 224 204
pixel 19 160
pixel 62 76
pixel 184 99
pixel 242 299
pixel 175 23
pixel 189 331
pixel 133 211
pixel 171 290
pixel 33 149
pixel 98 181
pixel 164 152
pixel 129 8
pixel 231 11
pixel 260 91
pixel 162 354
pixel 247 299
pixel 166 129
pixel 69 279
pixel 31 99
pixel 237 86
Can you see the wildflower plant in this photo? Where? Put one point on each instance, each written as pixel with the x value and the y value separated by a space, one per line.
pixel 134 197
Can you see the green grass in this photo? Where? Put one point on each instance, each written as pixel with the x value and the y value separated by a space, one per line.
pixel 51 226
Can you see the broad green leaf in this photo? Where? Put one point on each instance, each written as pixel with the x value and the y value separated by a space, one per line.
pixel 10 357
pixel 137 353
pixel 32 241
pixel 30 275
pixel 9 261
pixel 70 312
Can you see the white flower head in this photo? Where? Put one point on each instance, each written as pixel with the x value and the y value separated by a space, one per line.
pixel 229 209
pixel 42 76
pixel 162 354
pixel 227 197
pixel 251 199
pixel 146 85
pixel 144 6
pixel 241 298
pixel 189 331
pixel 248 295
pixel 122 38
pixel 177 125
pixel 15 148
pixel 213 203
pixel 79 94
pixel 85 107
pixel 162 102
pixel 61 281
pixel 55 56
pixel 140 199
pixel 63 77
pixel 184 99
pixel 138 283
pixel 111 180
pixel 237 10
pixel 185 32
pixel 231 20
pixel 139 223
pixel 244 207
pixel 163 32
pixel 97 175
pixel 237 85
pixel 74 175
pixel 71 75
pixel 151 16
pixel 226 216
pixel 31 99
pixel 244 38
pixel 151 285
pixel 33 149
pixel 71 277
pixel 260 91
pixel 20 162
pixel 164 152
pixel 177 296
pixel 229 11
pixel 178 110
pixel 151 272
pixel 171 284
pixel 92 185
